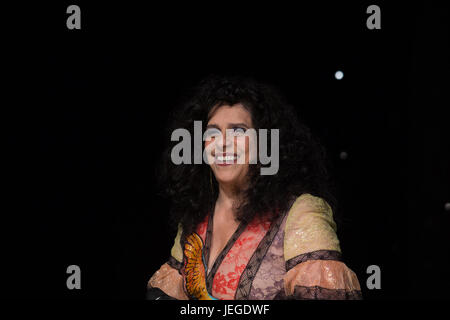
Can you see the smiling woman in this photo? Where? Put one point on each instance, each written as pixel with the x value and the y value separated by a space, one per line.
pixel 241 234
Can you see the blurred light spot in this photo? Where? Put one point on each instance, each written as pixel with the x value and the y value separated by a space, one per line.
pixel 343 155
pixel 339 75
pixel 447 206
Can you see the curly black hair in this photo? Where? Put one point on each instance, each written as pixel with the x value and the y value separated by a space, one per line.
pixel 302 166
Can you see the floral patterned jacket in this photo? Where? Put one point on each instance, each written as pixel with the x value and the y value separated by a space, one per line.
pixel 295 257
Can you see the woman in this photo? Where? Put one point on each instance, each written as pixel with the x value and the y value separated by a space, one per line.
pixel 241 234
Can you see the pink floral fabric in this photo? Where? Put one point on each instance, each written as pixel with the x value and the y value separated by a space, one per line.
pixel 227 277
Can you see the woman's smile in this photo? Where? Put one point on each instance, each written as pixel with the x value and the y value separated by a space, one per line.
pixel 226 159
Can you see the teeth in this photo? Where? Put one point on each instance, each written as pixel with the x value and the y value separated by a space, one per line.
pixel 227 158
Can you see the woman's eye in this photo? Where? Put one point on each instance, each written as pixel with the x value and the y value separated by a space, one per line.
pixel 239 131
pixel 212 133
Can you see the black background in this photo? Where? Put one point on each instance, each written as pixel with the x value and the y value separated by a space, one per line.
pixel 85 128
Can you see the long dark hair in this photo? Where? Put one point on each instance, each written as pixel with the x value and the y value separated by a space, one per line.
pixel 189 187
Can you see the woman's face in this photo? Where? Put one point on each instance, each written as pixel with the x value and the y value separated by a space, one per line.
pixel 228 155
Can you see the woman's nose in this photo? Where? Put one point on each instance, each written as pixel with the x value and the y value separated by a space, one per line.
pixel 225 141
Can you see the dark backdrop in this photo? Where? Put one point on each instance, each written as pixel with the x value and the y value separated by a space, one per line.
pixel 85 128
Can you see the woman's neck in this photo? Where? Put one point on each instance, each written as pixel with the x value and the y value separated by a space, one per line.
pixel 229 196
pixel 226 202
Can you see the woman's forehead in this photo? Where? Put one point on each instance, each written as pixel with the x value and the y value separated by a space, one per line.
pixel 230 114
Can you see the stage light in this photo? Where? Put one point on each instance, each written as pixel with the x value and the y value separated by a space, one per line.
pixel 339 75
pixel 343 155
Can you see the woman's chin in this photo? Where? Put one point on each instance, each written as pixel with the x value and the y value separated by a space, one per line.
pixel 228 174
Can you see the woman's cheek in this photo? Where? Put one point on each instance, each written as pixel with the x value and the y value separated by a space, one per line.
pixel 207 156
pixel 247 148
pixel 242 147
